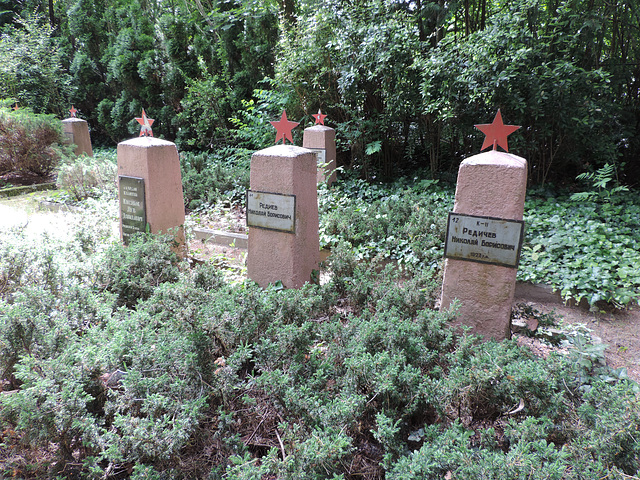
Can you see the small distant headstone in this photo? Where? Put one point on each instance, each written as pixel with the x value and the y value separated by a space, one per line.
pixel 484 236
pixel 76 132
pixel 150 187
pixel 322 141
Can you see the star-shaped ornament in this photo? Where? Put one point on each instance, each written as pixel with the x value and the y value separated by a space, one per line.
pixel 284 128
pixel 145 130
pixel 73 111
pixel 496 133
pixel 319 117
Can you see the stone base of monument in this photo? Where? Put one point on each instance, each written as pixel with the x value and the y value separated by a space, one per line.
pixel 322 140
pixel 150 188
pixel 282 216
pixel 76 131
pixel 490 196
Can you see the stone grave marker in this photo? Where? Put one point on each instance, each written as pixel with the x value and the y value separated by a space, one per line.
pixel 76 132
pixel 150 186
pixel 484 236
pixel 282 213
pixel 322 141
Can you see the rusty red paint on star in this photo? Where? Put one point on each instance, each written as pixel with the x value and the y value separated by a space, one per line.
pixel 73 111
pixel 283 128
pixel 145 130
pixel 319 117
pixel 496 133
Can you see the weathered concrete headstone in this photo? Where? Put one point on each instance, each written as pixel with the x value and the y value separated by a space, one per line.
pixel 282 216
pixel 484 239
pixel 76 132
pixel 150 188
pixel 322 141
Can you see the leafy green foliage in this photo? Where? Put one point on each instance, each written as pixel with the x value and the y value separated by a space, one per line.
pixel 83 177
pixel 210 178
pixel 404 222
pixel 584 249
pixel 133 272
pixel 31 69
pixel 30 144
pixel 126 362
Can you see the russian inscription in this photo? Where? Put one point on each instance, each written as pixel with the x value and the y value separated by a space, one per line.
pixel 273 211
pixel 133 213
pixel 484 239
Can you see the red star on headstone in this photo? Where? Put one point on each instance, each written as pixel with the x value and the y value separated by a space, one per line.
pixel 145 130
pixel 284 128
pixel 496 133
pixel 319 117
pixel 73 111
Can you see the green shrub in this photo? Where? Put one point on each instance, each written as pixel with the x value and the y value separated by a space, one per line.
pixel 85 176
pixel 210 178
pixel 133 272
pixel 394 222
pixel 30 144
pixel 584 249
pixel 609 427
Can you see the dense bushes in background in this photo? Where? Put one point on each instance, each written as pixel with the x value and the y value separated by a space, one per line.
pixel 30 144
pixel 403 82
pixel 209 178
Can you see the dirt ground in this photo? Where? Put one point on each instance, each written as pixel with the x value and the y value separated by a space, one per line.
pixel 619 330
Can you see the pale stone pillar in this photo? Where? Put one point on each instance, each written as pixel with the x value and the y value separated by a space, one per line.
pixel 76 131
pixel 491 184
pixel 322 138
pixel 157 163
pixel 285 170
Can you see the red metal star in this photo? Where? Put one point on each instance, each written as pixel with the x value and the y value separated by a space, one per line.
pixel 73 111
pixel 496 133
pixel 284 128
pixel 319 117
pixel 145 130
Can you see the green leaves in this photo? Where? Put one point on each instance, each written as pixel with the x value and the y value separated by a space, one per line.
pixel 584 248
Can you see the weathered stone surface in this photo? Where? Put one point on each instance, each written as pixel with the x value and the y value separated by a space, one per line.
pixel 491 184
pixel 274 255
pixel 157 162
pixel 76 131
pixel 324 138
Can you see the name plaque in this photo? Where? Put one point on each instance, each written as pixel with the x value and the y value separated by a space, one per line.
pixel 133 213
pixel 321 154
pixel 272 211
pixel 484 239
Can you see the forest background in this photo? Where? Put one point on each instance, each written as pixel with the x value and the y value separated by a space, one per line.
pixel 403 82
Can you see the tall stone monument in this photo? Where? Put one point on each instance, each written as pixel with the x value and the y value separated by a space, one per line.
pixel 484 236
pixel 282 213
pixel 150 186
pixel 76 131
pixel 322 141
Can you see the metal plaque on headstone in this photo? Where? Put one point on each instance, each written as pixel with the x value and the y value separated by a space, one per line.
pixel 69 138
pixel 484 239
pixel 132 206
pixel 272 211
pixel 321 154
